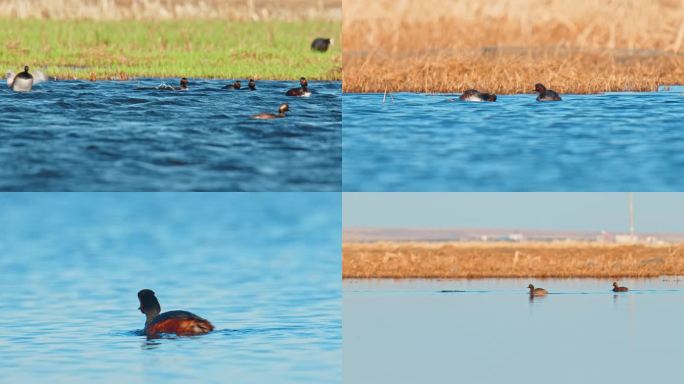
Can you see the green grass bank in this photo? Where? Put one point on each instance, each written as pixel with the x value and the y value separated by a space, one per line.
pixel 274 50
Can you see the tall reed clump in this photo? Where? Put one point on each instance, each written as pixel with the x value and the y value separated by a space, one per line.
pixel 482 260
pixel 581 46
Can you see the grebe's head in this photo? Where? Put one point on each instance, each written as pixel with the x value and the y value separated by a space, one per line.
pixel 283 108
pixel 303 82
pixel 238 83
pixel 530 286
pixel 615 284
pixel 26 68
pixel 149 305
pixel 183 85
pixel 539 88
pixel 252 83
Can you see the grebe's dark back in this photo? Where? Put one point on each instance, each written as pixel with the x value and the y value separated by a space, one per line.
pixel 475 95
pixel 303 89
pixel 177 322
pixel 546 94
pixel 617 288
pixel 281 113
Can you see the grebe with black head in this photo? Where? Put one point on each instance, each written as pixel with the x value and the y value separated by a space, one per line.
pixel 181 323
pixel 22 82
pixel 302 91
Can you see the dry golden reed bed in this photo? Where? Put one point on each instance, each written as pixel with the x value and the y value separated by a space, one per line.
pixel 480 260
pixel 288 10
pixel 506 46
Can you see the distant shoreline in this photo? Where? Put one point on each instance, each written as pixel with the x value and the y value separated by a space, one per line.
pixel 501 260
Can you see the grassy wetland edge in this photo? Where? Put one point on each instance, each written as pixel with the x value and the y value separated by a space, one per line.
pixel 474 260
pixel 212 49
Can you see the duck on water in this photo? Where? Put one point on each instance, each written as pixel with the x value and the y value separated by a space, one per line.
pixel 477 96
pixel 237 85
pixel 266 116
pixel 546 94
pixel 302 91
pixel 617 288
pixel 183 86
pixel 181 323
pixel 537 291
pixel 21 82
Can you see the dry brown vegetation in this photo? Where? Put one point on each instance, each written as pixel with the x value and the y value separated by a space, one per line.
pixel 506 46
pixel 290 10
pixel 480 260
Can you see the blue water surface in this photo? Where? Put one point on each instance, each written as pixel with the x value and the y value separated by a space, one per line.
pixel 107 136
pixel 489 331
pixel 263 268
pixel 605 142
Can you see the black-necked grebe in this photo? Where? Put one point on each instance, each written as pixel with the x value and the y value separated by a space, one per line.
pixel 321 44
pixel 22 82
pixel 537 291
pixel 303 89
pixel 183 84
pixel 177 322
pixel 251 85
pixel 475 95
pixel 546 94
pixel 616 288
pixel 236 85
pixel 281 113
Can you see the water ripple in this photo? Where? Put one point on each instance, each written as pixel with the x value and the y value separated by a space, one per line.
pixel 621 141
pixel 141 139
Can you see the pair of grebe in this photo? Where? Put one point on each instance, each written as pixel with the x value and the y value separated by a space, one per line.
pixel 302 91
pixel 237 85
pixel 173 322
pixel 542 292
pixel 477 96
